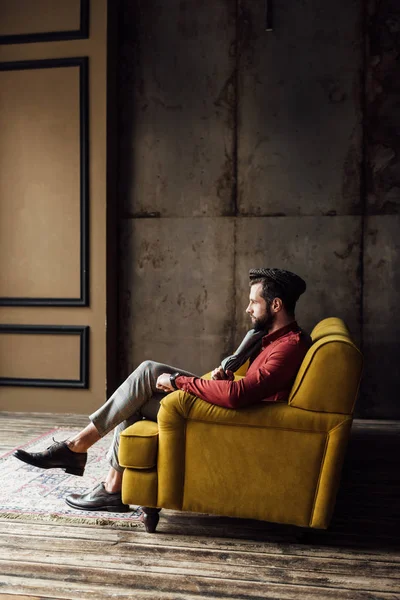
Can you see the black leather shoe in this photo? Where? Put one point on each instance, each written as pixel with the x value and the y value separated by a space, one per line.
pixel 97 499
pixel 57 456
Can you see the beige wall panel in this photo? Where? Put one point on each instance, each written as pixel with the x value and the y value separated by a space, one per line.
pixel 79 400
pixel 40 183
pixel 20 17
pixel 40 356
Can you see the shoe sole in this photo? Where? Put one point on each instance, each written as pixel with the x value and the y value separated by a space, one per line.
pixel 70 470
pixel 119 509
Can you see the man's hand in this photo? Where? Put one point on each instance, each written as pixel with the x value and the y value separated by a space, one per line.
pixel 163 383
pixel 219 373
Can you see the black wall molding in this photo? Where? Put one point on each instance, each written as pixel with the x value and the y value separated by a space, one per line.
pixel 53 36
pixel 82 63
pixel 81 330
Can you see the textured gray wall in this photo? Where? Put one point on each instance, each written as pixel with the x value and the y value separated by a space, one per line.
pixel 242 148
pixel 381 277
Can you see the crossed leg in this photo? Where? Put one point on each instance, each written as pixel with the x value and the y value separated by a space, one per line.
pixel 136 398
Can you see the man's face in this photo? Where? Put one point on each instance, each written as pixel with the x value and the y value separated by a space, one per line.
pixel 260 314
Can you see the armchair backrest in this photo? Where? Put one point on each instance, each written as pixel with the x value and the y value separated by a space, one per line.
pixel 329 377
pixel 329 326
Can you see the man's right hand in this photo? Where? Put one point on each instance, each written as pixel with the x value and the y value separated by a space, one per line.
pixel 219 373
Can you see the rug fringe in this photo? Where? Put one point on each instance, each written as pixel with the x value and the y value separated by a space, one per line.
pixel 59 519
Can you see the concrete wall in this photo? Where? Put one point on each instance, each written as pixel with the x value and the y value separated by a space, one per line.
pixel 381 277
pixel 243 148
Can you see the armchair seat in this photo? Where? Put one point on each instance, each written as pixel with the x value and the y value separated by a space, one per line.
pixel 274 462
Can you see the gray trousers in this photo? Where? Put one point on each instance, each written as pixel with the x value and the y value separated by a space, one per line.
pixel 135 399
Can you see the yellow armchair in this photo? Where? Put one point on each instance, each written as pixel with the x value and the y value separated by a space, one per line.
pixel 273 462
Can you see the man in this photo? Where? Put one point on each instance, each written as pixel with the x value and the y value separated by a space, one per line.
pixel 275 347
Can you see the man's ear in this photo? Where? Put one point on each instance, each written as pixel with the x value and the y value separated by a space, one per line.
pixel 277 305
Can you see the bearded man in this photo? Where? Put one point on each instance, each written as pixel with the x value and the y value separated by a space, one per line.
pixel 275 348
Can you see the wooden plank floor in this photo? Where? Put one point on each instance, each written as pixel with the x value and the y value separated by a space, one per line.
pixel 194 556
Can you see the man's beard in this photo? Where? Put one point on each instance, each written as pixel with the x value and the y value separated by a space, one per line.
pixel 264 323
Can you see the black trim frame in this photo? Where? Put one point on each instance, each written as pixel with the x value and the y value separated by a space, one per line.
pixel 53 36
pixel 81 330
pixel 82 63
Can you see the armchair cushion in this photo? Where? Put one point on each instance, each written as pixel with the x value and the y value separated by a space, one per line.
pixel 139 445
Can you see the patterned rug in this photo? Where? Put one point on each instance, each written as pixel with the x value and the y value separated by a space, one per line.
pixel 30 493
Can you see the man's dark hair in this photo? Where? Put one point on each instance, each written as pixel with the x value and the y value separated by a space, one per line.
pixel 279 283
pixel 271 290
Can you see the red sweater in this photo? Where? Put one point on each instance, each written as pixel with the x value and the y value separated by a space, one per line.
pixel 269 378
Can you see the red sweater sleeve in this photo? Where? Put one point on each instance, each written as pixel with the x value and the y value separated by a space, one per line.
pixel 275 375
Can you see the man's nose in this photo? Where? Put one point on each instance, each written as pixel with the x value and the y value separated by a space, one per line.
pixel 248 309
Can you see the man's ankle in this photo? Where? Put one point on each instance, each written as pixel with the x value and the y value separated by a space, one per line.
pixel 75 446
pixel 112 488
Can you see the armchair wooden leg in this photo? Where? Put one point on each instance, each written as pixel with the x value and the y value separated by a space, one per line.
pixel 151 518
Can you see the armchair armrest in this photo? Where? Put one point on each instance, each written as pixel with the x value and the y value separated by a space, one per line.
pixel 179 406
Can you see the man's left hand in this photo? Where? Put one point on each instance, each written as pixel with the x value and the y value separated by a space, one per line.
pixel 163 383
